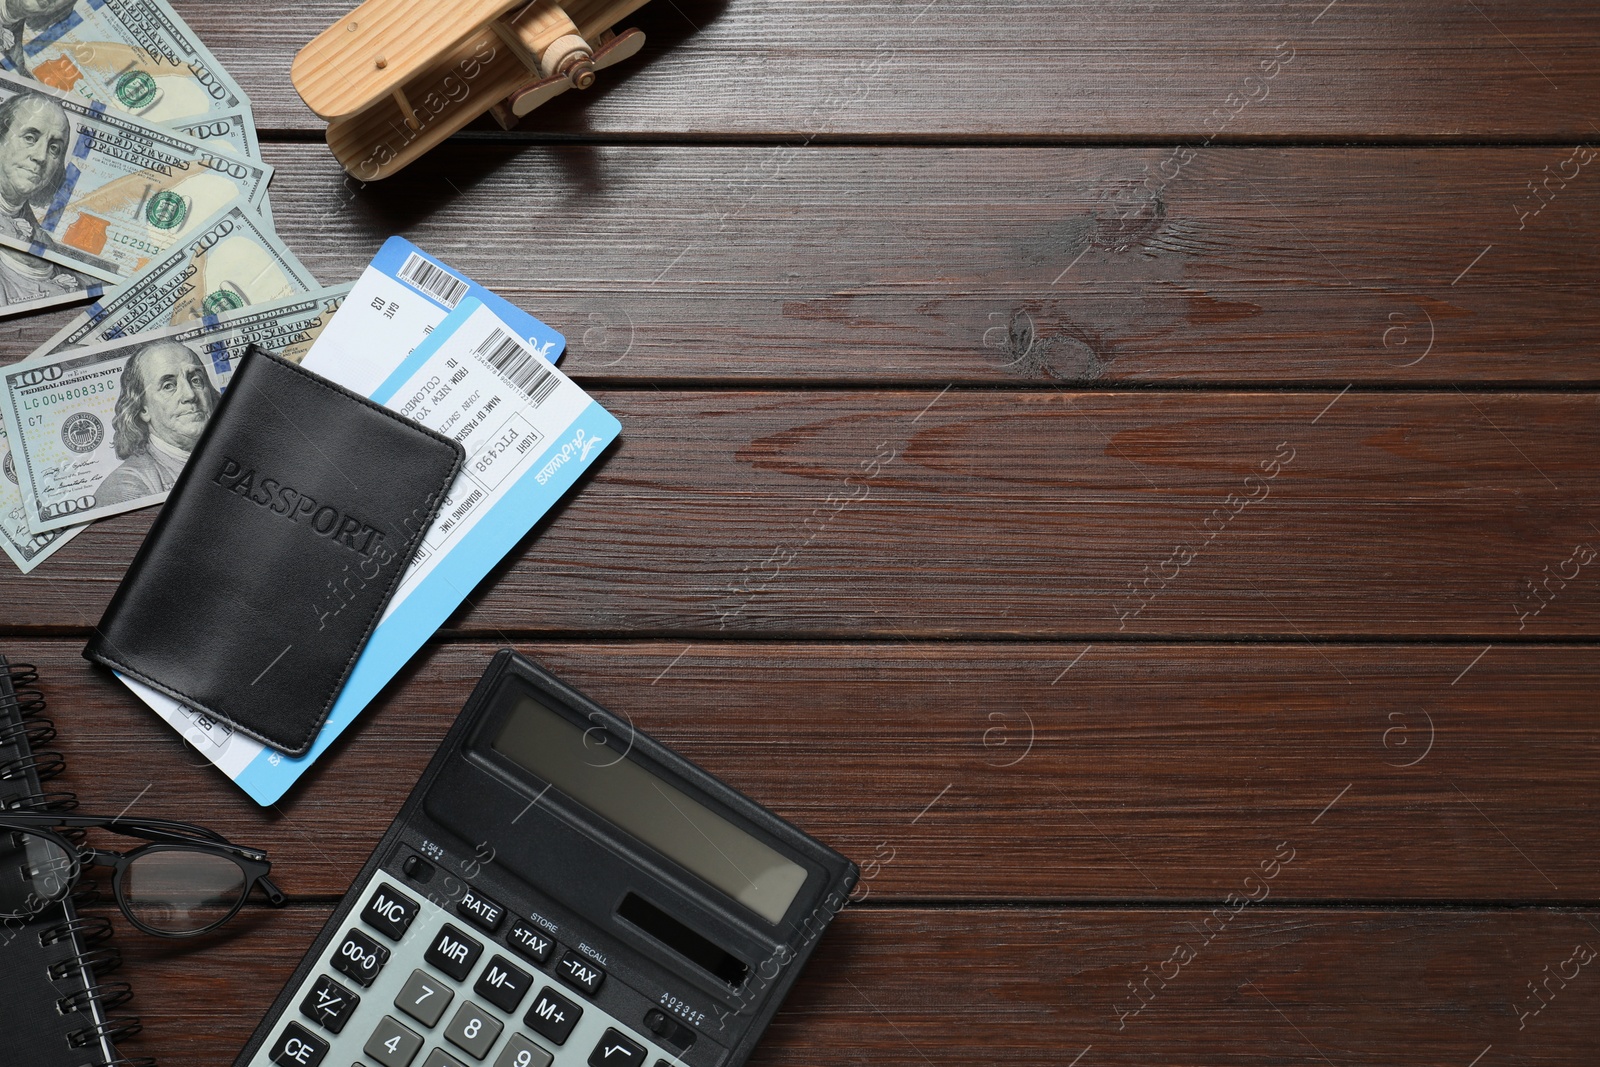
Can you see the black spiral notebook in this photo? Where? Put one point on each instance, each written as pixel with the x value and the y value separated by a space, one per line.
pixel 54 1009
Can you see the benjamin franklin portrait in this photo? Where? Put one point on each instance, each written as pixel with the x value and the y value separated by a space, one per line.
pixel 165 401
pixel 34 138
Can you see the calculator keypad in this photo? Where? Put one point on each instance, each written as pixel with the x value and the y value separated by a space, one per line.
pixel 433 997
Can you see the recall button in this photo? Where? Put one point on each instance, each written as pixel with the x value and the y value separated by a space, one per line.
pixel 580 972
pixel 480 911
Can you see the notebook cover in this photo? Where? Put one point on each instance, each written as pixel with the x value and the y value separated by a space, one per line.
pixel 276 552
pixel 36 1031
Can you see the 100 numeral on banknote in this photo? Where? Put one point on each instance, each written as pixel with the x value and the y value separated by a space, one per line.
pixel 102 193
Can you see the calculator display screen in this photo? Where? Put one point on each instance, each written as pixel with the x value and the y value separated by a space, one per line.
pixel 660 815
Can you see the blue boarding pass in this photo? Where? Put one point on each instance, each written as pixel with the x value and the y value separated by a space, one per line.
pixel 529 433
pixel 402 296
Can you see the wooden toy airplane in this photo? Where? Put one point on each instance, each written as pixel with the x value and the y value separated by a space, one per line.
pixel 395 77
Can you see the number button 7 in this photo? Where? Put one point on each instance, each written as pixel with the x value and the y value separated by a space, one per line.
pixel 424 998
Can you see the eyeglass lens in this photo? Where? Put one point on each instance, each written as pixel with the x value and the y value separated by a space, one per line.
pixel 34 871
pixel 182 891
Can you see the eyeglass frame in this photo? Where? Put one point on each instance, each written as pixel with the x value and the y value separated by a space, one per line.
pixel 161 835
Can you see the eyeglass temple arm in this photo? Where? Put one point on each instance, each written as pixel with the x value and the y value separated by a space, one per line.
pixel 165 831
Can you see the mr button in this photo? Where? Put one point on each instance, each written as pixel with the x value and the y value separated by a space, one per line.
pixel 453 952
pixel 389 912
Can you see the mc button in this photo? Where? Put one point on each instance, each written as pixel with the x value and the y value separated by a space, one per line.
pixel 580 972
pixel 389 912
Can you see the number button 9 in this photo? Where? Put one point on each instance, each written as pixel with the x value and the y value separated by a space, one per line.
pixel 521 1052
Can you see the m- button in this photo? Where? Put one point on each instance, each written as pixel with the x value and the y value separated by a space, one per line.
pixel 578 971
pixel 453 952
pixel 389 912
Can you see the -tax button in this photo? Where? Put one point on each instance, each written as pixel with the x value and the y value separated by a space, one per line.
pixel 480 911
pixel 580 972
pixel 389 912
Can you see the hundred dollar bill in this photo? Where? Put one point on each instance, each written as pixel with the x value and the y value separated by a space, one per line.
pixel 26 548
pixel 134 56
pixel 103 193
pixel 231 260
pixel 101 430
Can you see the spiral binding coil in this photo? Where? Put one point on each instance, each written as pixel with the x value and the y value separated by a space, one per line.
pixel 108 995
pixel 92 932
pixel 113 1030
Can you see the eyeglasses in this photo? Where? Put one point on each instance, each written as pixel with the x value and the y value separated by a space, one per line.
pixel 187 881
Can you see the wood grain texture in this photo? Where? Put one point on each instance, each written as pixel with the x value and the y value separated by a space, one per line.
pixel 999 772
pixel 1076 70
pixel 1023 265
pixel 1035 515
pixel 1037 988
pixel 1030 267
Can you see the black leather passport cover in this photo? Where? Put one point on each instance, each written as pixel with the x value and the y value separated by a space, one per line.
pixel 276 552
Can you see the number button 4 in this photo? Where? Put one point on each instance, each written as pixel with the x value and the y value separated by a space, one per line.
pixel 393 1045
pixel 424 998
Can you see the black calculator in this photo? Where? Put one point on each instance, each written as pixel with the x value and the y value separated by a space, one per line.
pixel 559 889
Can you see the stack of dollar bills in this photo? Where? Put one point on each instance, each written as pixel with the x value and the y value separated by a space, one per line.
pixel 130 178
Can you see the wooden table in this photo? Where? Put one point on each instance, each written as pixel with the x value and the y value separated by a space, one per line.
pixel 1123 472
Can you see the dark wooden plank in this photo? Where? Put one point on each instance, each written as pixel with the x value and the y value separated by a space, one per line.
pixel 990 772
pixel 999 266
pixel 1038 515
pixel 1038 988
pixel 1078 70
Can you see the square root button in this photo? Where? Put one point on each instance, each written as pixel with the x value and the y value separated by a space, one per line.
pixel 617 1050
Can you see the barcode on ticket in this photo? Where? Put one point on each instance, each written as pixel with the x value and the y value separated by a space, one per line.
pixel 433 280
pixel 518 366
